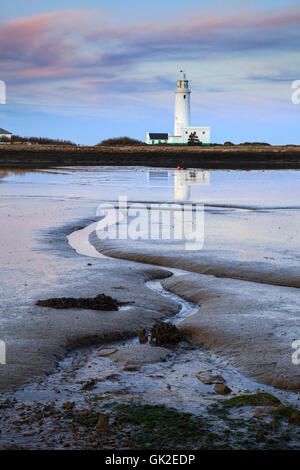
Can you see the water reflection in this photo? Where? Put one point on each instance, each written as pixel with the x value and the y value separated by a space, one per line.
pixel 184 179
pixel 4 172
pixel 158 175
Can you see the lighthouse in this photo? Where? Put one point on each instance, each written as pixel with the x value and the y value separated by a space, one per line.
pixel 183 131
pixel 182 104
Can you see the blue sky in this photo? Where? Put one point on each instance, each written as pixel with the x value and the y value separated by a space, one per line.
pixel 88 70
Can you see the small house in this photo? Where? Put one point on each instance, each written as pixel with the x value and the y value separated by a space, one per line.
pixel 157 138
pixel 5 134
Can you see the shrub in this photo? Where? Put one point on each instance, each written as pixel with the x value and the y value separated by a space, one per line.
pixel 40 140
pixel 121 141
pixel 255 143
pixel 194 139
pixel 4 139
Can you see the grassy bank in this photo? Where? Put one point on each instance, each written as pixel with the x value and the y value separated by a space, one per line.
pixel 220 157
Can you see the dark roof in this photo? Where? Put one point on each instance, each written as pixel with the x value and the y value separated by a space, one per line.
pixel 2 131
pixel 158 135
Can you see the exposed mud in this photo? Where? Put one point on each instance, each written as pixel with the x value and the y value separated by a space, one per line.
pixel 252 324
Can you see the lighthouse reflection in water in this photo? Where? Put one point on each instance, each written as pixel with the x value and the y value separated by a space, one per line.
pixel 183 180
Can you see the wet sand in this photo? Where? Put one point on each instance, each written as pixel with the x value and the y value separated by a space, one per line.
pixel 38 263
pixel 143 386
pixel 248 296
pixel 243 330
pixel 248 250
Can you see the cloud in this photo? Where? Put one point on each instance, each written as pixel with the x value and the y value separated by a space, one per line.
pixel 278 78
pixel 104 55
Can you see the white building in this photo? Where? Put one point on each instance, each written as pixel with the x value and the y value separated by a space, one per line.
pixel 182 127
pixel 157 137
pixel 6 134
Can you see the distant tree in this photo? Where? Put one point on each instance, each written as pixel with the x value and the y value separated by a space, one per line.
pixel 194 139
pixel 121 141
pixel 4 139
pixel 255 143
pixel 41 140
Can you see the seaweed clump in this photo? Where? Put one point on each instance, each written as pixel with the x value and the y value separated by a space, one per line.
pixel 156 426
pixel 257 399
pixel 165 334
pixel 100 302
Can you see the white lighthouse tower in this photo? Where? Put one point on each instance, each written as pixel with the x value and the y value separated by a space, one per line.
pixel 183 131
pixel 182 104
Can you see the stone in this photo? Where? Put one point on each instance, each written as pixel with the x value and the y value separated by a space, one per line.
pixel 222 389
pixel 68 405
pixel 218 379
pixel 131 368
pixel 295 418
pixel 139 354
pixel 105 352
pixel 89 385
pixel 102 423
pixel 143 337
pixel 209 379
pixel 264 411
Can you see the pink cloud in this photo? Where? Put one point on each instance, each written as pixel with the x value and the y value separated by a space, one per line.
pixel 83 44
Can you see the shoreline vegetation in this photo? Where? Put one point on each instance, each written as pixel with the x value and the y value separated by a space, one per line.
pixel 247 156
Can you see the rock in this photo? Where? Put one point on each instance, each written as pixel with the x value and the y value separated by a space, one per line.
pixel 218 379
pixel 143 337
pixel 295 418
pixel 111 377
pixel 165 334
pixel 264 411
pixel 102 423
pixel 222 389
pixel 138 354
pixel 14 447
pixel 105 352
pixel 68 405
pixel 89 385
pixel 131 368
pixel 209 379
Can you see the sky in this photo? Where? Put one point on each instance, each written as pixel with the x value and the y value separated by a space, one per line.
pixel 87 70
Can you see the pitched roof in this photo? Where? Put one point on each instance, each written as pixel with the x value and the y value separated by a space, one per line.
pixel 3 131
pixel 158 135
